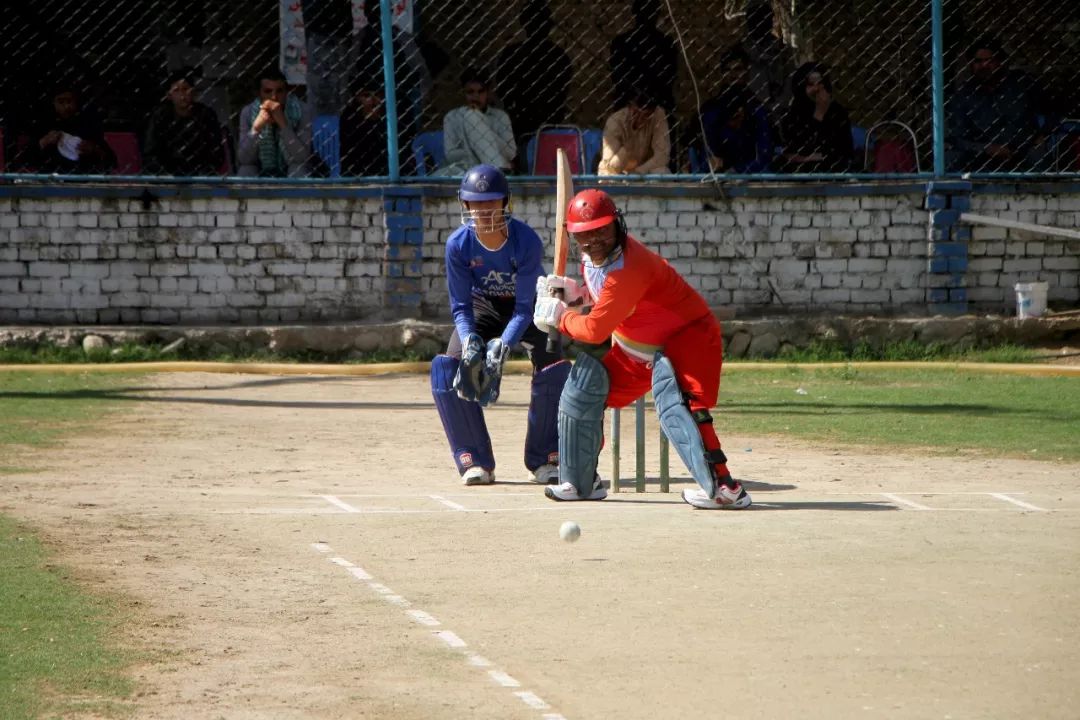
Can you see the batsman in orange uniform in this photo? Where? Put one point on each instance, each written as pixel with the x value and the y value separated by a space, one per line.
pixel 663 337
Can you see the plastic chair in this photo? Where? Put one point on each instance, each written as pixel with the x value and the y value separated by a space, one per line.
pixel 1066 139
pixel 326 141
pixel 891 157
pixel 425 145
pixel 858 138
pixel 548 139
pixel 594 145
pixel 126 147
pixel 226 168
pixel 698 162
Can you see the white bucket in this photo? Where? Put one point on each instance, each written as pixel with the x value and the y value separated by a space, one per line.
pixel 1031 299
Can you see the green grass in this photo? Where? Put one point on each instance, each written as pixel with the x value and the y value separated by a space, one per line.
pixel 822 351
pixel 32 416
pixel 57 650
pixel 819 351
pixel 53 354
pixel 940 409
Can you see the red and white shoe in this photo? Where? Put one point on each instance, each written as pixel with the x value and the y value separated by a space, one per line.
pixel 728 497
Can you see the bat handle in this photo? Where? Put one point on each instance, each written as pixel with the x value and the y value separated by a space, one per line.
pixel 553 341
pixel 553 333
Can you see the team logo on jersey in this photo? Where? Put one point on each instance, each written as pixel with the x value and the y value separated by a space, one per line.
pixel 476 262
pixel 481 185
pixel 587 212
pixel 498 284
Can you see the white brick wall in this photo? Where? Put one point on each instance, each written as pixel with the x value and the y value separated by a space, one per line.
pixel 249 260
pixel 1000 257
pixel 189 260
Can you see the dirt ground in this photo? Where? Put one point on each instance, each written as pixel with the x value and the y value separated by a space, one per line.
pixel 301 548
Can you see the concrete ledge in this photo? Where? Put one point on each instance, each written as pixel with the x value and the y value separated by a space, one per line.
pixel 765 337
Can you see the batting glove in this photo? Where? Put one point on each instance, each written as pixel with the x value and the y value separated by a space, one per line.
pixel 574 293
pixel 548 312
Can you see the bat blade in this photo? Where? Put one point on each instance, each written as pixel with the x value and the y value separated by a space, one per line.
pixel 564 190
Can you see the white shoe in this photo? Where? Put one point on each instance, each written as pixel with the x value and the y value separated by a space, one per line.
pixel 478 476
pixel 567 491
pixel 728 497
pixel 546 474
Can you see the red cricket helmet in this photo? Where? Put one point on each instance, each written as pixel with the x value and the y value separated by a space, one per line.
pixel 590 209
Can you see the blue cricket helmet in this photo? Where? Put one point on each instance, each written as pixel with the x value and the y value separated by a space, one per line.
pixel 484 182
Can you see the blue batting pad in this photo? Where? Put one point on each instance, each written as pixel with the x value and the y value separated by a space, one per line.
pixel 679 425
pixel 581 422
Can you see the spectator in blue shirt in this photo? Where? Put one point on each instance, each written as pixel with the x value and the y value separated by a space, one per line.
pixel 992 123
pixel 737 130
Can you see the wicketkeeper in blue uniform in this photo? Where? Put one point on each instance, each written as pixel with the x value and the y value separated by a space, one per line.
pixel 492 263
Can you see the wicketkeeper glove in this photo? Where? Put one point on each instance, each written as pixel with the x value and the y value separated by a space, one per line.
pixel 494 361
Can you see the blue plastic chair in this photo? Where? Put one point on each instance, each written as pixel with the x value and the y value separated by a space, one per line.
pixel 698 162
pixel 594 145
pixel 1064 136
pixel 326 141
pixel 858 138
pixel 428 144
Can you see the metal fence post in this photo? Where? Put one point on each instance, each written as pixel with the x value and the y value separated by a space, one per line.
pixel 938 71
pixel 387 21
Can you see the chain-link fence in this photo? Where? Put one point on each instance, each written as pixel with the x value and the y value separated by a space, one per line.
pixel 632 87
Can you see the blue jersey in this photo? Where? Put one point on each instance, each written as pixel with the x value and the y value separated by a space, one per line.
pixel 505 275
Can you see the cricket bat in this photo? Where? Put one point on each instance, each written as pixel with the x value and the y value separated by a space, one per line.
pixel 564 190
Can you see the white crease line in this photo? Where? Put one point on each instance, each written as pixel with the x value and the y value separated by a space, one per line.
pixel 903 501
pixel 280 511
pixel 449 638
pixel 503 679
pixel 358 573
pixel 420 495
pixel 1014 501
pixel 448 503
pixel 390 511
pixel 333 500
pixel 531 700
pixel 423 618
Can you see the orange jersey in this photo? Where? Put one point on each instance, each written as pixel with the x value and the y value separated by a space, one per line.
pixel 639 301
